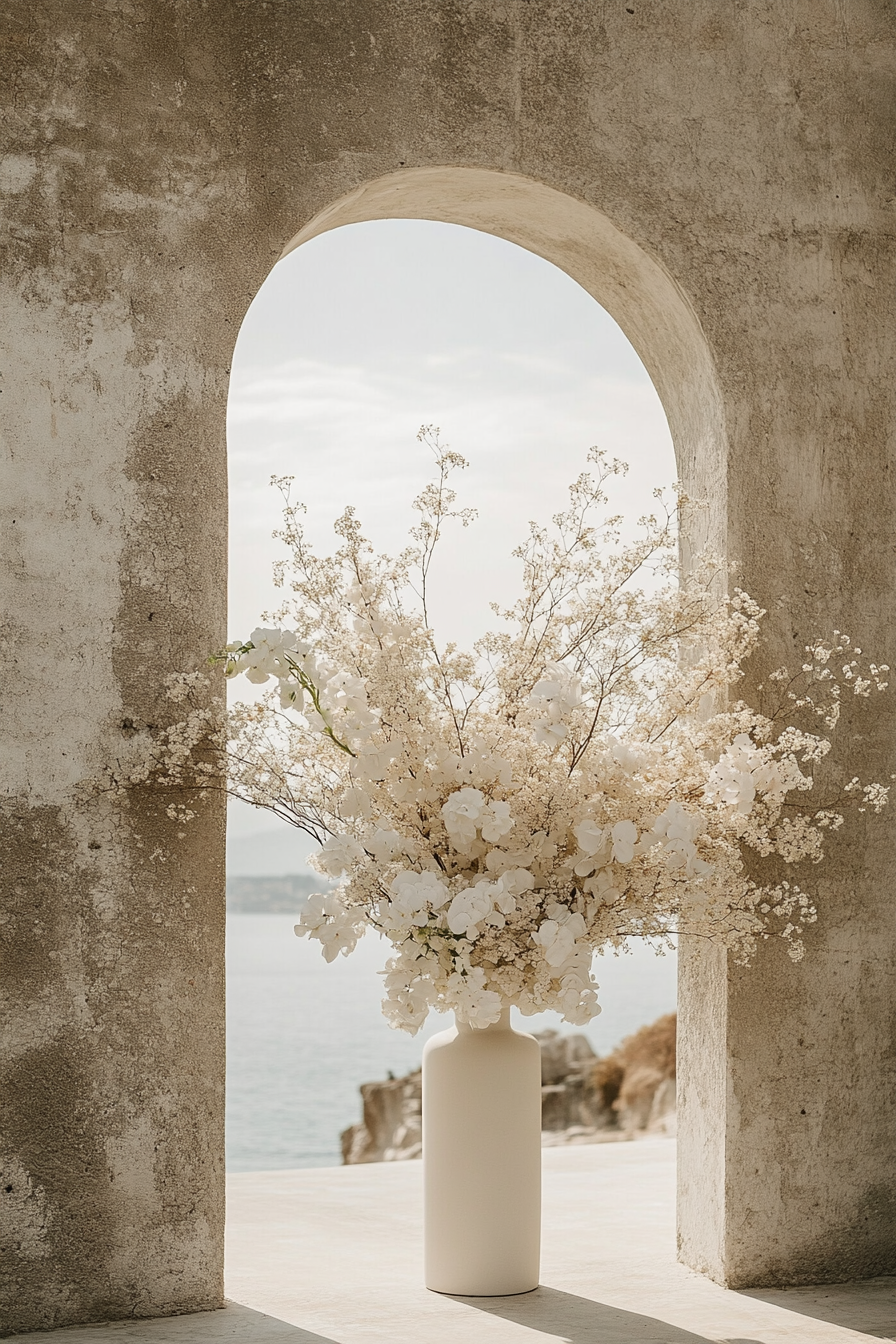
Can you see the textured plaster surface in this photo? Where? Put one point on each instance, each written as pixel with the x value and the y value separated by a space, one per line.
pixel 722 178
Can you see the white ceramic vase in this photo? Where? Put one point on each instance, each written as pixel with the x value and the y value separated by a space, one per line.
pixel 482 1160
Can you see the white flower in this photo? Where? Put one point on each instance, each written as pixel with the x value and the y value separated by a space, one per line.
pixel 550 733
pixel 601 889
pixel 556 695
pixel 557 936
pixel 267 657
pixel 409 991
pixel 412 896
pixel 745 770
pixel 513 883
pixel 337 928
pixel 499 861
pixel 559 689
pixel 576 1000
pixel 345 692
pixel 355 803
pixel 490 901
pixel 469 909
pixel 627 757
pixel 678 830
pixel 427 885
pixel 487 903
pixel 372 762
pixel 589 835
pixel 292 696
pixel 591 840
pixel 625 837
pixel 731 779
pixel 471 1000
pixel 462 813
pixel 337 855
pixel 383 845
pixel 466 812
pixel 497 822
pixel 346 696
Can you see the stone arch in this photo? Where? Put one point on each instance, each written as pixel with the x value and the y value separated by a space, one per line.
pixel 720 178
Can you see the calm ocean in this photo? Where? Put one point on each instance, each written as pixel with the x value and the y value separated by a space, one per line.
pixel 302 1036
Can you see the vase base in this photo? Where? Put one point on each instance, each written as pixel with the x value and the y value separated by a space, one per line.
pixel 502 1292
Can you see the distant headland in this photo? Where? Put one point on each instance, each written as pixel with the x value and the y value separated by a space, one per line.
pixel 271 895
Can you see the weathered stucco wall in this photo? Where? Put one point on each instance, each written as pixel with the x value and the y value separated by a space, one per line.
pixel 722 178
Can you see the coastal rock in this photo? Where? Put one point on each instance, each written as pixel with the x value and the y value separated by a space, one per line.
pixel 391 1127
pixel 645 1101
pixel 570 1101
pixel 562 1056
pixel 584 1099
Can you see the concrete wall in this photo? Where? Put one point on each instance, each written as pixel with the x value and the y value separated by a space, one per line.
pixel 721 177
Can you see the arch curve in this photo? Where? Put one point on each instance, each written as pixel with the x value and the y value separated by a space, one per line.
pixel 640 294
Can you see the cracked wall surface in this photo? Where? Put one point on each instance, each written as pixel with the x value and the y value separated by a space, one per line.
pixel 722 178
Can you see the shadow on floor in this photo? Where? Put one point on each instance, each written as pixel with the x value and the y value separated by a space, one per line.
pixel 868 1307
pixel 234 1324
pixel 580 1320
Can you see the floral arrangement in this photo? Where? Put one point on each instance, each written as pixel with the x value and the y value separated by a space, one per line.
pixel 584 775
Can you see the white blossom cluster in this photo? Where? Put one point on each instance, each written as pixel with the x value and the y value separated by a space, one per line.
pixel 584 776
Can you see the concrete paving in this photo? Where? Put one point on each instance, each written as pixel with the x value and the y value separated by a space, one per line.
pixel 334 1257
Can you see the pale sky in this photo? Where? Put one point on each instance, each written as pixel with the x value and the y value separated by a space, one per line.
pixel 367 332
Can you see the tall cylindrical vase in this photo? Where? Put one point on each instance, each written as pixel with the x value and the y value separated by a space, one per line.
pixel 482 1160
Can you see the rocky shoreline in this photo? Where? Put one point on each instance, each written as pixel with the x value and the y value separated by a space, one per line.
pixel 584 1099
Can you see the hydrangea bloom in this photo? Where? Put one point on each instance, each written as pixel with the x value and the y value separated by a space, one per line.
pixel 624 835
pixel 745 770
pixel 475 1002
pixel 338 855
pixel 558 935
pixel 336 927
pixel 412 899
pixel 499 815
pixel 469 815
pixel 556 695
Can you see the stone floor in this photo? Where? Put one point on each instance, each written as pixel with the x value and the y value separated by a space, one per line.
pixel 334 1257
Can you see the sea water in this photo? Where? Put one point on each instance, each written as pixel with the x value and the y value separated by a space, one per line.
pixel 303 1035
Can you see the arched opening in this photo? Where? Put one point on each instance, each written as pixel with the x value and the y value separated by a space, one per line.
pixel 587 248
pixel 128 272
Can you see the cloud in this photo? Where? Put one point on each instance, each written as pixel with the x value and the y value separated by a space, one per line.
pixel 348 436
